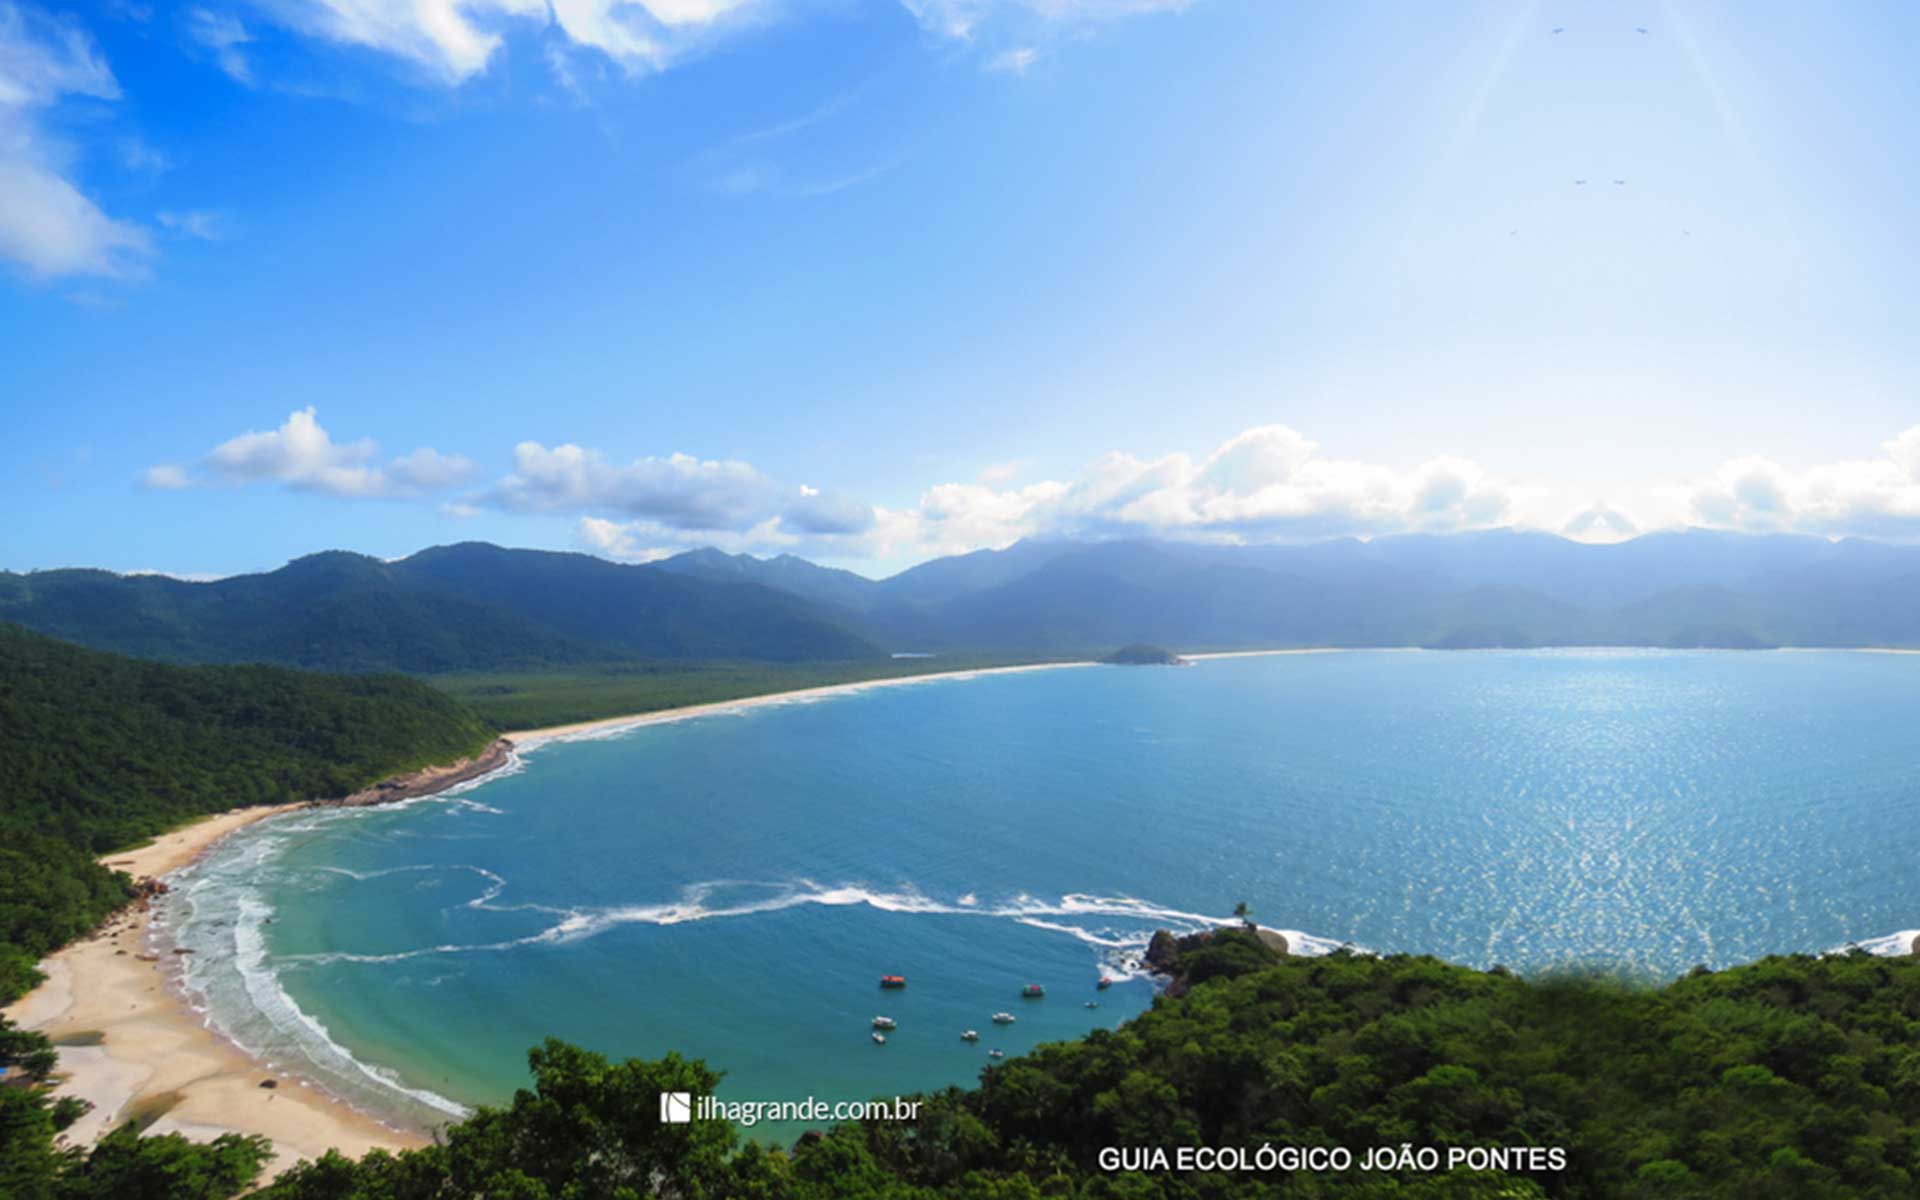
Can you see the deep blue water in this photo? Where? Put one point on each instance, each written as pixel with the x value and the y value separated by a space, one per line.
pixel 733 886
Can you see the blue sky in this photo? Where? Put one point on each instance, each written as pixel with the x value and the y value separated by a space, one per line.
pixel 871 281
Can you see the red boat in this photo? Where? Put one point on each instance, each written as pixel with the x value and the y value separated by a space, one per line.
pixel 893 981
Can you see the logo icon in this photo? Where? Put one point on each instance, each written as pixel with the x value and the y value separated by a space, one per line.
pixel 676 1108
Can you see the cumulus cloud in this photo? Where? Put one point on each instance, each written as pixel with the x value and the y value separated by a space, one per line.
pixel 679 492
pixel 49 228
pixel 1268 482
pixel 1875 497
pixel 302 455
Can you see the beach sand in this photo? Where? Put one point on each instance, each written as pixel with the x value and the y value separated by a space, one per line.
pixel 526 738
pixel 144 1051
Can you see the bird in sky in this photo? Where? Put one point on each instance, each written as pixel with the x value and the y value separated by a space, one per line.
pixel 1619 183
pixel 1639 28
pixel 1559 28
pixel 1579 183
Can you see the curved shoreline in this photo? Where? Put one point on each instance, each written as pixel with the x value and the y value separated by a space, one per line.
pixel 150 1050
pixel 132 1045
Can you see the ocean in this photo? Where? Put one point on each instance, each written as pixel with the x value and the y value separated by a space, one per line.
pixel 733 886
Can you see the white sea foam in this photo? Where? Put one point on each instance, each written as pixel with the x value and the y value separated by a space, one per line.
pixel 1891 945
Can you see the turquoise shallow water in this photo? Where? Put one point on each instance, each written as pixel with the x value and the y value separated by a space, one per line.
pixel 733 886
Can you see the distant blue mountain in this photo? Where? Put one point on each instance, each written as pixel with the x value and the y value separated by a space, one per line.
pixel 475 607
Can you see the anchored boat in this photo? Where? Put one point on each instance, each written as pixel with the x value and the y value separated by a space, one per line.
pixel 883 1022
pixel 1033 991
pixel 970 1035
pixel 1003 1018
pixel 893 981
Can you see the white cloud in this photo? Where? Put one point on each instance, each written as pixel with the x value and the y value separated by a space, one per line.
pixel 166 477
pixel 302 455
pixel 226 37
pixel 965 19
pixel 49 228
pixel 1878 497
pixel 1002 472
pixel 454 40
pixel 679 491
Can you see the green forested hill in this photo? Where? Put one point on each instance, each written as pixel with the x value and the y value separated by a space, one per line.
pixel 470 607
pixel 99 751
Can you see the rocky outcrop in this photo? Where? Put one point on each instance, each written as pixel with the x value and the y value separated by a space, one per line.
pixel 428 780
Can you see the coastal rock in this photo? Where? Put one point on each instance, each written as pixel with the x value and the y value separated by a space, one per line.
pixel 1273 941
pixel 428 780
pixel 1915 947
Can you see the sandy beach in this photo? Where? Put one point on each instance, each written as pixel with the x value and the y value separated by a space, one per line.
pixel 527 738
pixel 138 1049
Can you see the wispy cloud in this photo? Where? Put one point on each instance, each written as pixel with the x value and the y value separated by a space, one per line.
pixel 225 37
pixel 49 228
pixel 207 226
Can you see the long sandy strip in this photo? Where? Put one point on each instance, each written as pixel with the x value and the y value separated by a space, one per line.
pixel 146 1049
pixel 525 738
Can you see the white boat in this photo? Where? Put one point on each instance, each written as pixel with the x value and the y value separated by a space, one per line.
pixel 996 1054
pixel 879 1039
pixel 1003 1018
pixel 1093 1004
pixel 883 1023
pixel 970 1035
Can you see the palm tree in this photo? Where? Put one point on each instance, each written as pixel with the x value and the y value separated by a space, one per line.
pixel 1244 913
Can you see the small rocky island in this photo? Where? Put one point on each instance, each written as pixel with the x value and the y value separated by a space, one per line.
pixel 1140 654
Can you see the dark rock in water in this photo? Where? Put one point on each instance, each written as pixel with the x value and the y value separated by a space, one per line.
pixel 1162 950
pixel 269 1083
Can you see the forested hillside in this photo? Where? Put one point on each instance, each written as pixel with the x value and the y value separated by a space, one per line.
pixel 1791 1078
pixel 99 752
pixel 470 607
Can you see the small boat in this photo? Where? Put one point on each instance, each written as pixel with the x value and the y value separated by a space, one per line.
pixel 1104 983
pixel 996 1054
pixel 1033 991
pixel 879 1039
pixel 893 981
pixel 883 1023
pixel 970 1035
pixel 1093 1004
pixel 1003 1018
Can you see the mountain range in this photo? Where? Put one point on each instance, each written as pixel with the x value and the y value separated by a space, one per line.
pixel 475 606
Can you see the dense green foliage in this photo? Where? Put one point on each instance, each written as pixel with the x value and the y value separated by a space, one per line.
pixel 535 700
pixel 98 752
pixel 1789 1078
